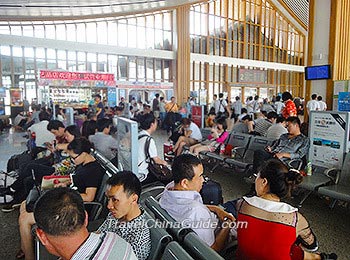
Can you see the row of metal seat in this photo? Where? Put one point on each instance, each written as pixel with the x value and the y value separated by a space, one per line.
pixel 243 147
pixel 333 183
pixel 188 240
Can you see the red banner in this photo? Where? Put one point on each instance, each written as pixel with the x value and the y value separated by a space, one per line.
pixel 67 75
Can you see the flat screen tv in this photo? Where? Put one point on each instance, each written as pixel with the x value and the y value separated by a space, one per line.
pixel 318 72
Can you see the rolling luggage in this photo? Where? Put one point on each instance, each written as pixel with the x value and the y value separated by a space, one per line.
pixel 211 193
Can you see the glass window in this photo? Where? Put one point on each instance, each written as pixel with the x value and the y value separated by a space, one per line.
pixel 112 33
pixel 150 38
pixel 50 31
pixel 167 21
pixel 122 65
pixel 29 52
pixel 91 33
pixel 17 51
pixel 122 33
pixel 28 30
pixel 158 66
pixel 39 31
pixel 102 32
pixel 71 32
pixel 132 68
pixel 5 29
pixel 81 32
pixel 40 53
pixel 112 63
pixel 158 39
pixel 91 62
pixel 141 69
pixel 149 70
pixel 61 32
pixel 102 62
pixel 16 30
pixel 158 21
pixel 132 36
pixel 141 37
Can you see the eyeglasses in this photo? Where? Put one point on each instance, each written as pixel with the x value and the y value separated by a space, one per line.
pixel 75 157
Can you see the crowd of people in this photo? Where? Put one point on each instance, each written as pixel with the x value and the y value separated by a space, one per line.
pixel 62 220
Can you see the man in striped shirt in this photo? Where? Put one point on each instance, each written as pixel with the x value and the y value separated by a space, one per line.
pixel 62 229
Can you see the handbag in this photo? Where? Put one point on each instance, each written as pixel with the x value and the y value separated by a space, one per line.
pixel 160 171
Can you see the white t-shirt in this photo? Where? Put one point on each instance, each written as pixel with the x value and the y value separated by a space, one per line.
pixel 142 164
pixel 312 105
pixel 196 132
pixel 221 105
pixel 42 134
pixel 216 104
pixel 322 105
pixel 279 106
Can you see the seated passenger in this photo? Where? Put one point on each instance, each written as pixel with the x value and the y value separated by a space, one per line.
pixel 24 183
pixel 192 135
pixel 62 229
pixel 277 129
pixel 87 179
pixel 209 122
pixel 43 136
pixel 293 145
pixel 262 125
pixel 272 229
pixel 126 218
pixel 217 137
pixel 244 125
pixel 148 124
pixel 181 199
pixel 102 141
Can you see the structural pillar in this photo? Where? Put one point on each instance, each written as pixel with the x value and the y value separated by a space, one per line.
pixel 328 43
pixel 182 86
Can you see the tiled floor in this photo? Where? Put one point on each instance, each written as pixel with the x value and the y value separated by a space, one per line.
pixel 11 142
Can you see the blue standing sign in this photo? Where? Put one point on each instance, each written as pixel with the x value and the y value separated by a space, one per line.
pixel 112 97
pixel 344 101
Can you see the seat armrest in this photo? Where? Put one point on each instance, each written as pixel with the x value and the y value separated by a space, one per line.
pixel 98 210
pixel 238 151
pixel 295 164
pixel 333 174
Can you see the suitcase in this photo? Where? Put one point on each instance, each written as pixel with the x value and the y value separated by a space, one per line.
pixel 212 193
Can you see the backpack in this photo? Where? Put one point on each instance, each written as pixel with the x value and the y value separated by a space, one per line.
pixel 160 171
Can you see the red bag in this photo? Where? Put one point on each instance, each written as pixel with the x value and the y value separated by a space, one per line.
pixel 228 150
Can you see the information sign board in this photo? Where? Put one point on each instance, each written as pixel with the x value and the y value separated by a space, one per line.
pixel 329 135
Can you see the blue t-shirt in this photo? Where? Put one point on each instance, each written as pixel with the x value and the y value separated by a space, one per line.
pixel 100 107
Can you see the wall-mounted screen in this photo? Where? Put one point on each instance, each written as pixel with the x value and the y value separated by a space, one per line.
pixel 318 72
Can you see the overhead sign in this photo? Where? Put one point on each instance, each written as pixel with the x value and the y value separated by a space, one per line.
pixel 76 79
pixel 252 76
pixel 67 75
pixel 144 85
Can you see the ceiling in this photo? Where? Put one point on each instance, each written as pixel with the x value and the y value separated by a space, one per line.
pixel 31 10
pixel 19 10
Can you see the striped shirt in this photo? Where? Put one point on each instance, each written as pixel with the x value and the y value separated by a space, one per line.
pixel 261 126
pixel 275 131
pixel 105 246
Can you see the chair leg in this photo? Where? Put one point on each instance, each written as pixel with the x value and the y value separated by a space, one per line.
pixel 216 166
pixel 304 198
pixel 332 205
